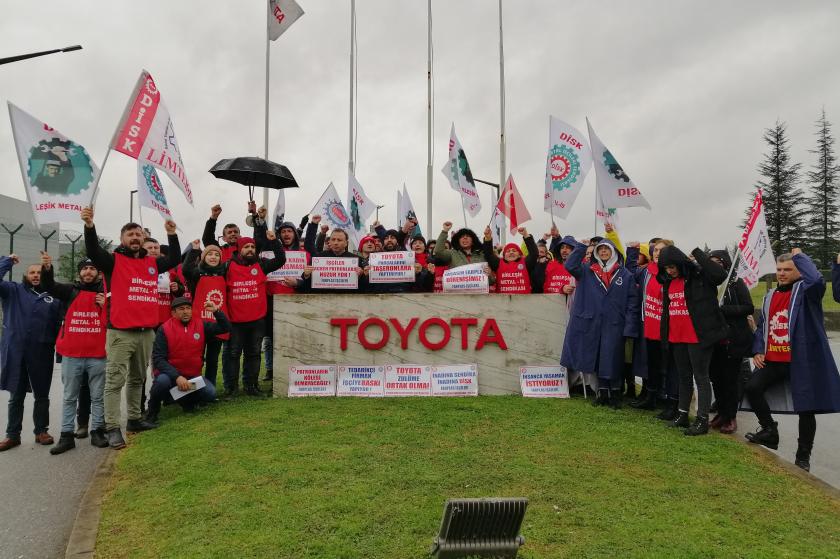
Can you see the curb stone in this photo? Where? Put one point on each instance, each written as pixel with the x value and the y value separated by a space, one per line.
pixel 83 535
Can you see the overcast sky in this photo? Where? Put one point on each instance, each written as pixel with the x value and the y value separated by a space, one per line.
pixel 679 90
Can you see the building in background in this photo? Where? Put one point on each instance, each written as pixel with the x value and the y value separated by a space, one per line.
pixel 28 242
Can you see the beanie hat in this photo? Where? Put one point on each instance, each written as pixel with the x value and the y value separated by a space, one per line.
pixel 391 233
pixel 366 239
pixel 208 249
pixel 84 263
pixel 512 246
pixel 244 241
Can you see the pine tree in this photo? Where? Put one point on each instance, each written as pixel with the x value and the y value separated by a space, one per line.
pixel 782 197
pixel 823 183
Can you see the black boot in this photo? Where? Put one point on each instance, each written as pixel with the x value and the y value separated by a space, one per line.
pixel 803 456
pixel 670 411
pixel 269 375
pixel 646 403
pixel 115 438
pixel 681 420
pixel 767 436
pixel 138 425
pixel 699 427
pixel 65 443
pixel 152 415
pixel 98 438
pixel 603 397
pixel 81 431
pixel 615 399
pixel 253 390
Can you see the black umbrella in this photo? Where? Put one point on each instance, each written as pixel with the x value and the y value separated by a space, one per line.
pixel 254 171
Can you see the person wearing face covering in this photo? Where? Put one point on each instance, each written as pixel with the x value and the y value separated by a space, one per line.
pixel 694 326
pixel 605 312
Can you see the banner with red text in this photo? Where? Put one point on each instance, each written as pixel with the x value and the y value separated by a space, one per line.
pixel 335 273
pixel 293 268
pixel 391 267
pixel 364 381
pixel 544 381
pixel 455 380
pixel 281 15
pixel 755 249
pixel 150 191
pixel 616 188
pixel 458 171
pixel 408 380
pixel 470 278
pixel 567 164
pixel 312 380
pixel 147 134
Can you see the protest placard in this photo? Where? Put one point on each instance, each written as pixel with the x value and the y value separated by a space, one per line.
pixel 407 380
pixel 312 380
pixel 334 273
pixel 544 382
pixel 361 380
pixel 466 279
pixel 455 380
pixel 293 268
pixel 391 267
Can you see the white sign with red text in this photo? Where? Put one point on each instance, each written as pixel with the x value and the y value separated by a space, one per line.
pixel 312 380
pixel 544 382
pixel 455 380
pixel 361 380
pixel 408 380
pixel 466 279
pixel 335 273
pixel 391 267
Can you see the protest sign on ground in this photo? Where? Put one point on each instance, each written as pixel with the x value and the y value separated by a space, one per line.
pixel 455 380
pixel 361 380
pixel 544 382
pixel 407 380
pixel 312 380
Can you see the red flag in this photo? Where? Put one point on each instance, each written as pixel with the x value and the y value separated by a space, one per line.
pixel 511 204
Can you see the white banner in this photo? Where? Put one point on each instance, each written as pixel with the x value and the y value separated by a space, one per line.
pixel 607 216
pixel 280 209
pixel 58 174
pixel 361 207
pixel 756 252
pixel 458 171
pixel 615 186
pixel 312 380
pixel 293 268
pixel 335 273
pixel 364 381
pixel 281 15
pixel 407 212
pixel 567 164
pixel 391 267
pixel 466 279
pixel 150 191
pixel 407 380
pixel 544 381
pixel 334 214
pixel 455 380
pixel 147 134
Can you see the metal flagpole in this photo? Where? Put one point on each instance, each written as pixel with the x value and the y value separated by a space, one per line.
pixel 729 275
pixel 351 164
pixel 267 76
pixel 429 125
pixel 502 147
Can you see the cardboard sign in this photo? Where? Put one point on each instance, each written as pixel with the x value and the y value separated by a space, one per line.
pixel 361 380
pixel 544 382
pixel 466 279
pixel 391 267
pixel 334 273
pixel 293 268
pixel 407 380
pixel 312 380
pixel 455 380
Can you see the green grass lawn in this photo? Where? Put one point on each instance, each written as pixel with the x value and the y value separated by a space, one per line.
pixel 354 478
pixel 760 290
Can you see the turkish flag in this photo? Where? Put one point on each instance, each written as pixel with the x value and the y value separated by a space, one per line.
pixel 511 204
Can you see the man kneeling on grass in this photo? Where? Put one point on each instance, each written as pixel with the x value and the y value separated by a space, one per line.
pixel 178 357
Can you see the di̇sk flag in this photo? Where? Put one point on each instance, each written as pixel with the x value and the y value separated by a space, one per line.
pixel 58 174
pixel 147 134
pixel 334 214
pixel 567 164
pixel 457 170
pixel 361 207
pixel 756 251
pixel 615 186
pixel 406 209
pixel 608 216
pixel 150 191
pixel 512 205
pixel 281 15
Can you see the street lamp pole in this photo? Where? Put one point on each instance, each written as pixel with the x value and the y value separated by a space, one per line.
pixel 19 57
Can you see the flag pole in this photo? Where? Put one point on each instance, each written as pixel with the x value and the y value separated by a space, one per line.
pixel 267 80
pixel 429 124
pixel 729 275
pixel 502 146
pixel 351 163
pixel 463 209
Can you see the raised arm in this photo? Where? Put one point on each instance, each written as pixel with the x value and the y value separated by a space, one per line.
pixel 173 257
pixel 533 251
pixel 812 279
pixel 100 257
pixel 715 272
pixel 61 291
pixel 489 254
pixel 574 263
pixel 442 253
pixel 6 263
pixel 279 259
pixel 209 235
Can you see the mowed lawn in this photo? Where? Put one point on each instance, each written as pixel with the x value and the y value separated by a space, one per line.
pixel 829 304
pixel 354 478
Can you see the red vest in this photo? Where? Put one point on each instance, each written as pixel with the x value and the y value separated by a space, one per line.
pixel 246 292
pixel 652 304
pixel 439 270
pixel 556 277
pixel 421 258
pixel 83 331
pixel 227 252
pixel 680 327
pixel 778 327
pixel 134 296
pixel 512 277
pixel 186 346
pixel 164 301
pixel 210 288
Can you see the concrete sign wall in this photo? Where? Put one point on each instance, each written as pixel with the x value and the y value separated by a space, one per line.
pixel 499 333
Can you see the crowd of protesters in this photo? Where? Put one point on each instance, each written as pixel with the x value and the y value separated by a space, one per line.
pixel 644 310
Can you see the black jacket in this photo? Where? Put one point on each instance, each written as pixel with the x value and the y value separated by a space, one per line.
pixel 737 306
pixel 701 281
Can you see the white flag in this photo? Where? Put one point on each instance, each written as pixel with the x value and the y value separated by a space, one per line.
pixel 280 209
pixel 399 209
pixel 58 174
pixel 608 216
pixel 617 190
pixel 150 191
pixel 281 15
pixel 756 252
pixel 361 207
pixel 497 223
pixel 457 170
pixel 407 212
pixel 334 214
pixel 567 164
pixel 147 134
